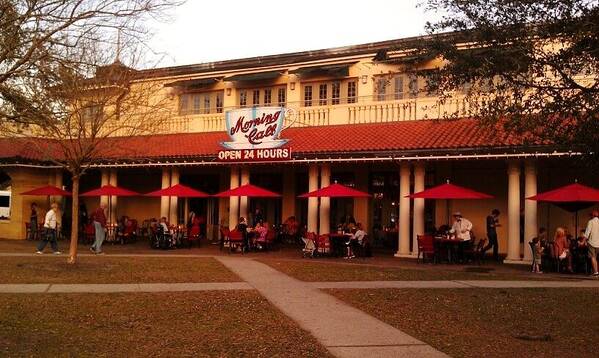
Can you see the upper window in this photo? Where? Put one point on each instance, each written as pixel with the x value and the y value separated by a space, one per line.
pixel 256 97
pixel 381 89
pixel 335 92
pixel 351 92
pixel 5 196
pixel 201 103
pixel 267 97
pixel 282 93
pixel 307 96
pixel 243 98
pixel 322 94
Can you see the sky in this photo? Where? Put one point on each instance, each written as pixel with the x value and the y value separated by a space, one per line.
pixel 208 30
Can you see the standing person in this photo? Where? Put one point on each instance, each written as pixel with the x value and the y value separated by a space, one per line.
pixel 242 227
pixel 537 252
pixel 492 224
pixel 50 224
pixel 33 222
pixel 592 235
pixel 461 228
pixel 99 219
pixel 258 217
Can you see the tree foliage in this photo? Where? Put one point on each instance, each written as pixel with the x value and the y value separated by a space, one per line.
pixel 531 66
pixel 63 86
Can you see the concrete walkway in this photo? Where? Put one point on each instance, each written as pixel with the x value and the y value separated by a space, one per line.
pixel 343 329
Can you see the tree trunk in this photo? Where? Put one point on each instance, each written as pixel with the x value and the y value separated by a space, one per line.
pixel 74 221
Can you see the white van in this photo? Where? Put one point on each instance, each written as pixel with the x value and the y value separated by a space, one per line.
pixel 5 197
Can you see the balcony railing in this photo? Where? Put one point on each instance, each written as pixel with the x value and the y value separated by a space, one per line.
pixel 365 109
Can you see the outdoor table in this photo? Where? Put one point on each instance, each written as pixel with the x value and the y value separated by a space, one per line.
pixel 450 245
pixel 338 241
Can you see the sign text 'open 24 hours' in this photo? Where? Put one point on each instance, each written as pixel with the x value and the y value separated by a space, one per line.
pixel 254 134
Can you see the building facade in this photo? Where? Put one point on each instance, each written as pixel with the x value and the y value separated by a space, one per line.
pixel 358 115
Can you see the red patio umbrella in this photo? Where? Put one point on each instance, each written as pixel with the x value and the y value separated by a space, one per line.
pixel 248 190
pixel 449 191
pixel 47 190
pixel 568 194
pixel 572 197
pixel 110 191
pixel 180 191
pixel 335 191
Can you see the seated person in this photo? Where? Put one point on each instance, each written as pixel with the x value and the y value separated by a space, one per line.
pixel 164 225
pixel 260 233
pixel 356 238
pixel 562 247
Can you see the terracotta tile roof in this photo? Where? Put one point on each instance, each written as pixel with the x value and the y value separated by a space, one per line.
pixel 424 135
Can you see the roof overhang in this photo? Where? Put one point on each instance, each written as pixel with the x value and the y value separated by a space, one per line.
pixel 334 70
pixel 195 83
pixel 256 76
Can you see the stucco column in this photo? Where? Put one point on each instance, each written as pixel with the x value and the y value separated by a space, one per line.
pixel 530 206
pixel 404 210
pixel 513 212
pixel 164 202
pixel 288 208
pixel 234 200
pixel 174 213
pixel 105 180
pixel 243 201
pixel 361 204
pixel 325 203
pixel 312 202
pixel 113 200
pixel 419 172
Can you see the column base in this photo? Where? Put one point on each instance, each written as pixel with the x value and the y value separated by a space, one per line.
pixel 516 262
pixel 405 256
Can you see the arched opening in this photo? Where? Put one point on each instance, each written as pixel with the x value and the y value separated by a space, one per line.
pixel 5 196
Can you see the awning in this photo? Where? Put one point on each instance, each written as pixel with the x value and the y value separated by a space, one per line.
pixel 254 76
pixel 336 70
pixel 199 82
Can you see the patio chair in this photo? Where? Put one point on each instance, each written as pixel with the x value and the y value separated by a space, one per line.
pixel 324 245
pixel 89 234
pixel 426 248
pixel 224 237
pixel 236 240
pixel 475 251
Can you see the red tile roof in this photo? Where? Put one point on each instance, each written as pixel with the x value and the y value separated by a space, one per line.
pixel 424 135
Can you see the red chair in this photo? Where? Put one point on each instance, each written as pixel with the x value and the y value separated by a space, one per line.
pixel 271 236
pixel 89 233
pixel 426 248
pixel 236 240
pixel 324 244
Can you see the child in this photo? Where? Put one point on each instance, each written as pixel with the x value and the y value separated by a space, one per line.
pixel 537 252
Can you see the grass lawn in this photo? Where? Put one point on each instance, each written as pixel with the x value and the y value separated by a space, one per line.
pixel 207 324
pixel 107 269
pixel 487 322
pixel 307 270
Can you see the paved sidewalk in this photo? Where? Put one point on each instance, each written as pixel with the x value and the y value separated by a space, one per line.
pixel 458 284
pixel 343 329
pixel 124 287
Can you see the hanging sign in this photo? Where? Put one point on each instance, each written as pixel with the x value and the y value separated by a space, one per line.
pixel 254 135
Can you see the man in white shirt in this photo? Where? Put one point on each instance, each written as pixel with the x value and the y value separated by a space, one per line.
pixel 50 226
pixel 592 236
pixel 461 227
